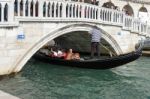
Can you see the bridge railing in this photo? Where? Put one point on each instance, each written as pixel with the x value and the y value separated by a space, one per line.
pixel 52 10
pixel 6 13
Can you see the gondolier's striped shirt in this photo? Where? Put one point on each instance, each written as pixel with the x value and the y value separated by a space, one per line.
pixel 95 35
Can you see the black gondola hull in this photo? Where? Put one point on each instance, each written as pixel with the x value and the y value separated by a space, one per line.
pixel 92 64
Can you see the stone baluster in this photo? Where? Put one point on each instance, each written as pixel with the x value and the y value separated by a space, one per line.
pixel 11 11
pixel 59 12
pixel 83 12
pixel 104 15
pixel 75 12
pixel 54 9
pixel 95 11
pixel 50 11
pixel 107 15
pixel 90 12
pixel 64 10
pixel 78 11
pixel 98 14
pixel 2 12
pixel 23 2
pixel 86 12
pixel 123 20
pixel 29 8
pixel 46 7
pixel 18 7
pixel 68 11
pixel 112 16
pixel 40 8
pixel 34 2
pixel 72 10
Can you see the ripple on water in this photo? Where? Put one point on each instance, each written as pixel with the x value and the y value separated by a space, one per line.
pixel 44 81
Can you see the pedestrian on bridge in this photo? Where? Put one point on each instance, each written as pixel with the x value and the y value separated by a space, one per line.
pixel 95 41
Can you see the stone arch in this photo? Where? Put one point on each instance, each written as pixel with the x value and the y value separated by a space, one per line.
pixel 63 30
pixel 128 10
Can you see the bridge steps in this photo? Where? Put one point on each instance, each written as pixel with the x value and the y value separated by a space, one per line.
pixel 4 95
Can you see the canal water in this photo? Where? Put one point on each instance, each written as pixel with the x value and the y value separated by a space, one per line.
pixel 39 80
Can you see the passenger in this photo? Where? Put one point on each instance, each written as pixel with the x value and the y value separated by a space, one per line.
pixel 69 55
pixel 61 54
pixel 76 56
pixel 53 53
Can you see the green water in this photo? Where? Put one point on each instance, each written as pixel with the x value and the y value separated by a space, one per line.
pixel 44 81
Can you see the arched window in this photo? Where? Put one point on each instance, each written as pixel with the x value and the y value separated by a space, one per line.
pixel 36 8
pixel 108 5
pixel 128 10
pixel 6 12
pixel 16 7
pixel 143 14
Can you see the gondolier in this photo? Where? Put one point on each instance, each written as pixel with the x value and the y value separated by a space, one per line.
pixel 95 40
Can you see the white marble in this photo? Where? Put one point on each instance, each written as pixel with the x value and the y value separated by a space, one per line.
pixel 41 24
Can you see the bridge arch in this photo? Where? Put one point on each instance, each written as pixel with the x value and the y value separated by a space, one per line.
pixel 61 31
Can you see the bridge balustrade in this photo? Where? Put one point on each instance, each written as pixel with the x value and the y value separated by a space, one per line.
pixel 3 12
pixel 59 10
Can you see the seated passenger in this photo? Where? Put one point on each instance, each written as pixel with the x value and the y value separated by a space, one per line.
pixel 76 56
pixel 69 55
pixel 61 54
pixel 53 53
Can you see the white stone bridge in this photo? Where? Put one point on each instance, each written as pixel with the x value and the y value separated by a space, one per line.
pixel 27 25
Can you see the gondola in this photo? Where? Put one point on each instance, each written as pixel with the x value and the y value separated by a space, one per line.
pixel 92 63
